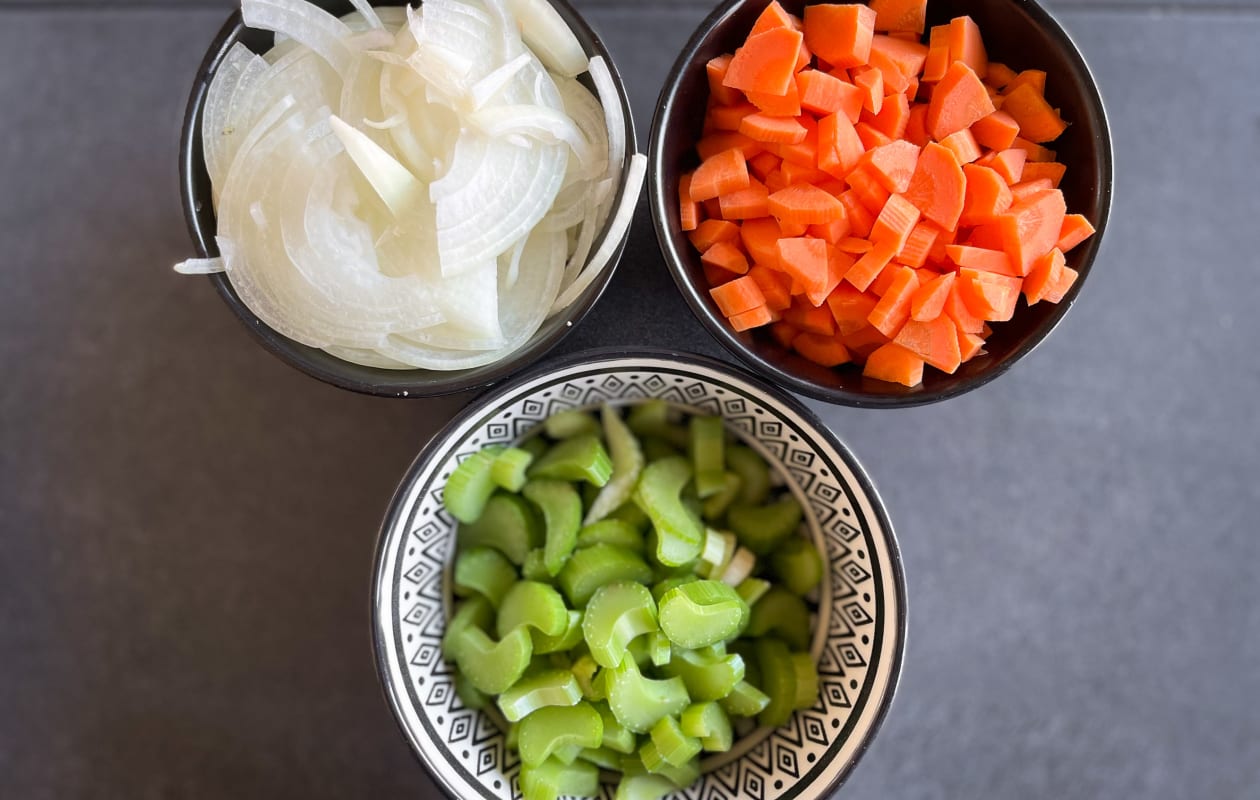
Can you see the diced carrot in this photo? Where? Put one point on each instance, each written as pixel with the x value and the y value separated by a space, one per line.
pixel 894 364
pixel 871 82
pixel 894 80
pixel 825 351
pixel 935 341
pixel 938 60
pixel 780 105
pixel 1035 151
pixel 775 16
pixel 988 236
pixel 809 318
pixel 1008 163
pixel 988 295
pixel 892 165
pixel 832 232
pixel 893 309
pixel 944 237
pixel 805 204
pixel 728 118
pixel 776 180
pixel 892 119
pixel 997 131
pixel 982 259
pixel 688 209
pixel 1031 229
pixel 957 102
pixel 915 252
pixel 820 92
pixel 864 341
pixel 716 69
pixel 775 286
pixel 895 222
pixel 1028 188
pixel 969 344
pixel 838 264
pixel 938 188
pixel 908 56
pixel 840 34
pixel 900 15
pixel 793 229
pixel 868 188
pixel 1038 121
pixel 776 130
pixel 727 256
pixel 753 318
pixel 999 75
pixel 987 195
pixel 1075 230
pixel 784 332
pixel 747 203
pixel 712 144
pixel 929 301
pixel 737 296
pixel 1056 292
pixel 1034 78
pixel 804 152
pixel 760 238
pixel 852 244
pixel 712 231
pixel 1043 275
pixel 966 45
pixel 805 259
pixel 850 308
pixel 861 220
pixel 766 62
pixel 1052 171
pixel 871 137
pixel 839 147
pixel 763 164
pixel 956 309
pixel 794 173
pixel 870 264
pixel 916 125
pixel 963 145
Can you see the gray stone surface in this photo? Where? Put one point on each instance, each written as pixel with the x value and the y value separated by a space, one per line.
pixel 186 525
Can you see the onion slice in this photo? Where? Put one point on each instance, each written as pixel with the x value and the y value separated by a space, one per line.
pixel 200 266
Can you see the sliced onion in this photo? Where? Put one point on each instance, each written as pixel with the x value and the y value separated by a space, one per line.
pixel 200 266
pixel 391 180
pixel 214 113
pixel 547 125
pixel 305 23
pixel 548 35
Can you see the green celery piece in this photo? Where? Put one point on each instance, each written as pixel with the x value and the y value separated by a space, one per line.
pixel 567 424
pixel 719 549
pixel 509 468
pixel 782 614
pixel 702 613
pixel 715 650
pixel 655 449
pixel 661 588
pixel 470 486
pixel 680 536
pixel 707 441
pixel 674 746
pixel 660 652
pixel 632 515
pixel 752 590
pixel 798 565
pixel 806 680
pixel 535 446
pixel 484 571
pixel 562 515
pixel 763 528
pixel 566 641
pixel 602 757
pixel 599 565
pixel 682 775
pixel 476 612
pixel 644 787
pixel 616 736
pixel 639 702
pixel 535 567
pixel 508 524
pixel 553 779
pixel 706 677
pixel 492 666
pixel 745 700
pixel 469 695
pixel 654 418
pixel 554 728
pixel 708 723
pixel 551 688
pixel 584 670
pixel 611 531
pixel 627 463
pixel 534 604
pixel 582 458
pixel 717 503
pixel 778 681
pixel 617 614
pixel 753 472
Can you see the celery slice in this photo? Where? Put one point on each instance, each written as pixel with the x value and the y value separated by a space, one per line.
pixel 778 681
pixel 554 728
pixel 706 678
pixel 570 638
pixel 534 604
pixel 702 613
pixel 708 723
pixel 615 615
pixel 806 680
pixel 745 700
pixel 476 612
pixel 717 503
pixel 753 472
pixel 599 565
pixel 567 424
pixel 492 667
pixel 707 444
pixel 508 524
pixel 660 652
pixel 661 588
pixel 763 528
pixel 752 590
pixel 783 614
pixel 550 688
pixel 611 531
pixel 673 747
pixel 483 571
pixel 562 514
pixel 680 536
pixel 644 787
pixel 470 486
pixel 616 736
pixel 581 458
pixel 798 565
pixel 553 779
pixel 509 468
pixel 627 463
pixel 639 702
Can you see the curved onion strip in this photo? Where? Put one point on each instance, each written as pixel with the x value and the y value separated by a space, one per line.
pixel 484 90
pixel 453 46
pixel 614 121
pixel 368 13
pixel 361 98
pixel 549 36
pixel 596 198
pixel 587 113
pixel 366 358
pixel 200 266
pixel 391 180
pixel 305 23
pixel 546 125
pixel 214 113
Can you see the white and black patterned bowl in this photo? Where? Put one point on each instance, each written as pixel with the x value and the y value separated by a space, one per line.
pixel 859 631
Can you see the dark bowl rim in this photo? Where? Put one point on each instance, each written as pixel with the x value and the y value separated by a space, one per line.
pixel 719 330
pixel 592 357
pixel 430 383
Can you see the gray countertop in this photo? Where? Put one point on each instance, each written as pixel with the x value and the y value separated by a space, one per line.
pixel 187 525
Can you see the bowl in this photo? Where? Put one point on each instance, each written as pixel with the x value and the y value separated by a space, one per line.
pixel 859 631
pixel 1019 33
pixel 200 218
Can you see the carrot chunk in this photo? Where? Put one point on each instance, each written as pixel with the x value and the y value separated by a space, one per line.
pixel 850 307
pixel 894 364
pixel 737 296
pixel 839 147
pixel 1031 229
pixel 870 265
pixel 958 101
pixel 918 246
pixel 871 82
pixel 753 318
pixel 966 45
pixel 928 302
pixel 826 351
pixel 775 16
pixel 895 222
pixel 939 186
pixel 820 93
pixel 900 15
pixel 893 309
pixel 775 286
pixel 987 195
pixel 840 34
pixel 935 341
pixel 712 231
pixel 777 130
pixel 997 131
pixel 727 256
pixel 748 203
pixel 809 318
pixel 688 209
pixel 1052 171
pixel 787 104
pixel 1038 121
pixel 1075 230
pixel 963 145
pixel 718 142
pixel 716 70
pixel 1044 274
pixel 937 61
pixel 893 164
pixel 760 238
pixel 805 204
pixel 805 259
pixel 766 62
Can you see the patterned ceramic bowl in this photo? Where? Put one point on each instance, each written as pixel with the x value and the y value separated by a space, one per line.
pixel 859 630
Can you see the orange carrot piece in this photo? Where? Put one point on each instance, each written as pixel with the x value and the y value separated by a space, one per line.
pixel 784 332
pixel 916 125
pixel 833 232
pixel 793 173
pixel 766 62
pixel 720 93
pixel 997 131
pixel 987 195
pixel 1008 163
pixel 838 264
pixel 981 259
pixel 1075 230
pixel 969 344
pixel 958 101
pixel 854 245
pixel 747 203
pixel 1052 171
pixel 893 363
pixel 900 15
pixel 805 259
pixel 1043 275
pixel 1034 78
pixel 1059 289
pixel 908 56
pixel 839 147
pixel 1031 229
pixel 939 186
pixel 918 246
pixel 1038 121
pixel 1035 151
pixel 712 231
pixel 753 318
pixel 935 341
pixel 775 286
pixel 871 82
pixel 938 60
pixel 988 295
pixel 720 174
pixel 892 119
pixel 879 287
pixel 861 220
pixel 868 267
pixel 787 104
pixel 776 130
pixel 727 256
pixel 793 229
pixel 775 16
pixel 892 165
pixel 863 342
pixel 963 145
pixel 840 34
pixel 728 118
pixel 870 136
pixel 999 75
pixel 894 80
pixel 895 222
pixel 893 309
pixel 928 302
pixel 777 181
pixel 805 204
pixel 967 46
pixel 956 309
pixel 826 351
pixel 737 296
pixel 809 318
pixel 760 238
pixel 820 92
pixel 868 189
pixel 850 308
pixel 1028 188
pixel 763 164
pixel 712 144
pixel 804 152
pixel 688 209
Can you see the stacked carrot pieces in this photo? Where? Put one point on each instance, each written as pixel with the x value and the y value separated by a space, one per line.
pixel 872 199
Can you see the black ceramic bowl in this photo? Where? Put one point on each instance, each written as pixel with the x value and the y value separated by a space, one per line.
pixel 199 214
pixel 1019 33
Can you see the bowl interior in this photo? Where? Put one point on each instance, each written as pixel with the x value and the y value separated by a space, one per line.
pixel 859 629
pixel 199 215
pixel 1018 33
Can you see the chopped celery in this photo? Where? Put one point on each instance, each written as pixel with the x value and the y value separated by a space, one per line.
pixel 717 503
pixel 752 590
pixel 615 615
pixel 644 787
pixel 469 695
pixel 584 670
pixel 581 458
pixel 627 463
pixel 492 666
pixel 674 747
pixel 509 468
pixel 534 604
pixel 719 549
pixel 706 678
pixel 654 418
pixel 660 589
pixel 484 571
pixel 550 688
pixel 679 534
pixel 640 650
pixel 639 702
pixel 553 779
pixel 616 736
pixel 508 524
pixel 568 639
pixel 708 723
pixel 470 486
pixel 599 565
pixel 567 424
pixel 602 757
pixel 763 528
pixel 554 728
pixel 473 613
pixel 707 440
pixel 682 775
pixel 702 613
pixel 753 472
pixel 798 565
pixel 562 514
pixel 783 614
pixel 745 700
pixel 806 680
pixel 611 531
pixel 535 567
pixel 737 570
pixel 778 681
pixel 659 649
